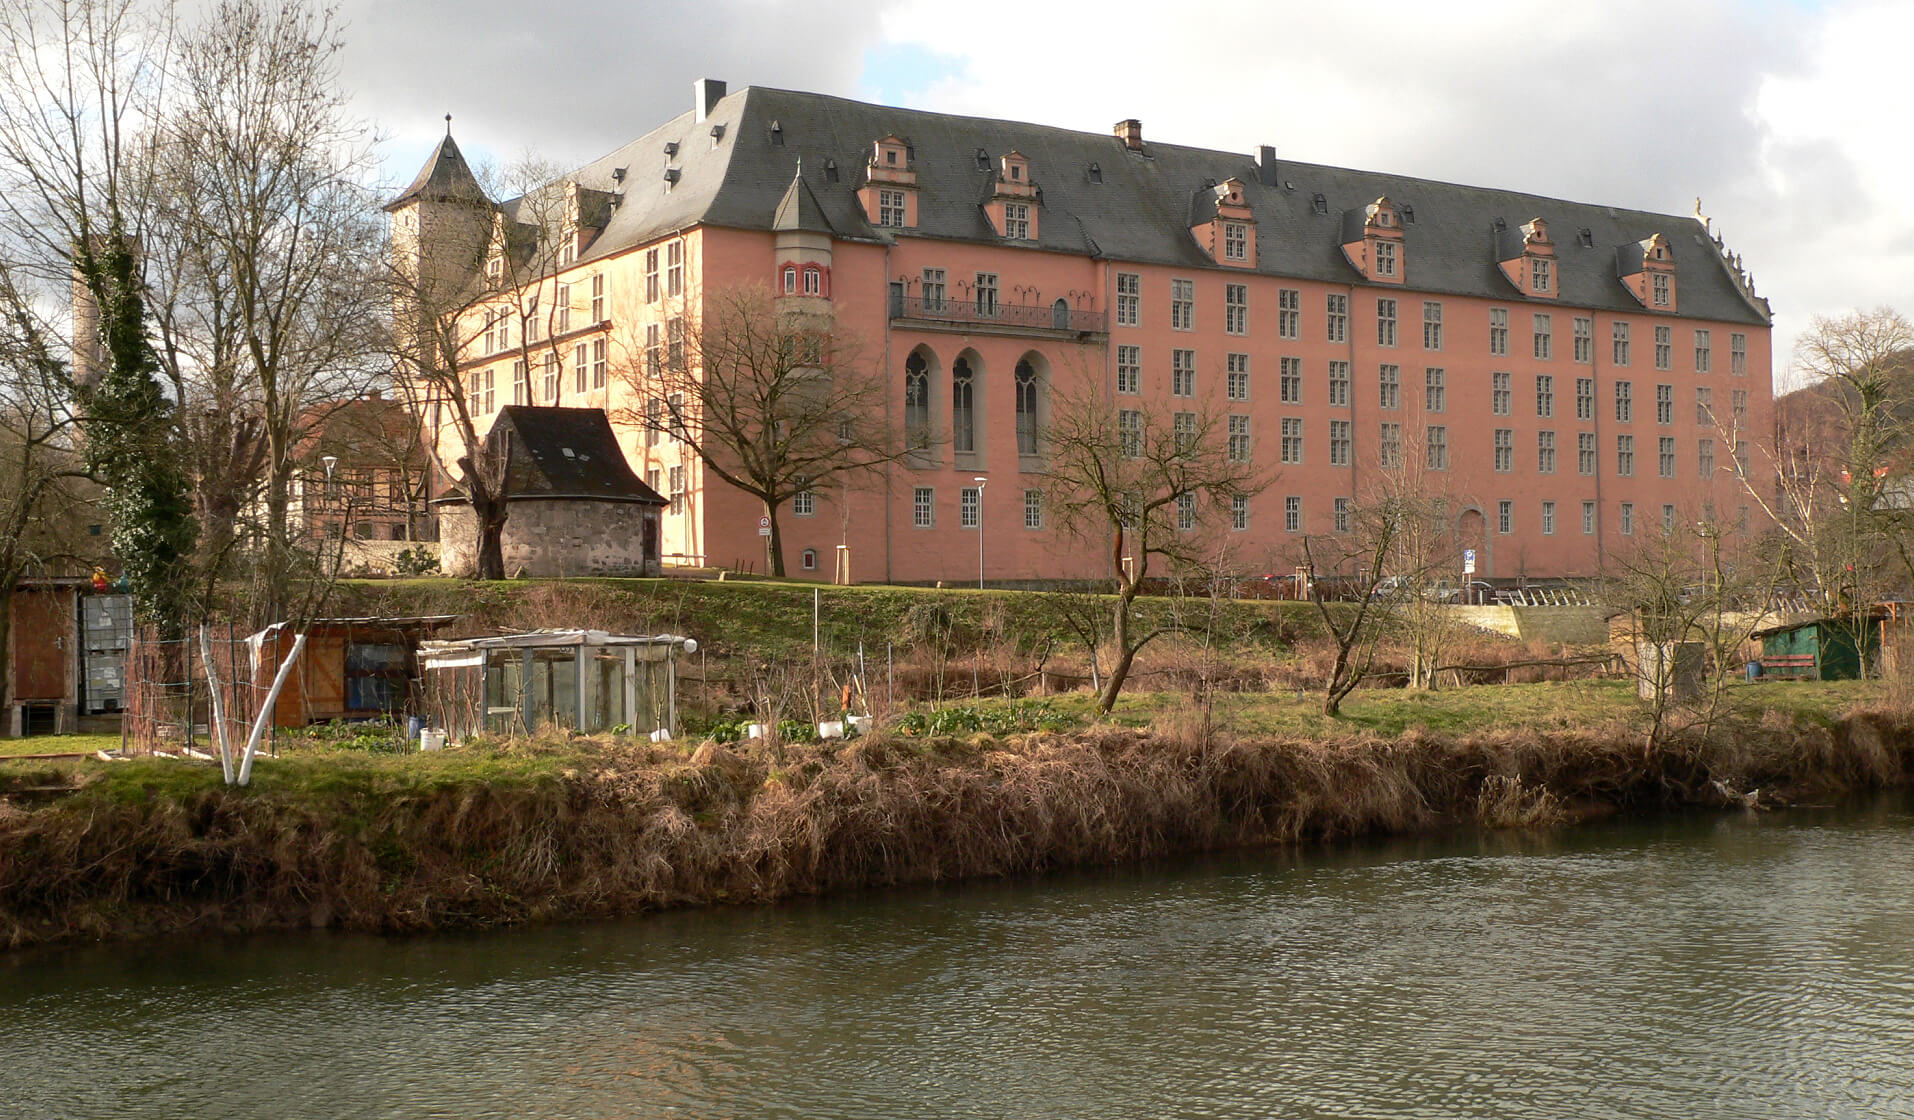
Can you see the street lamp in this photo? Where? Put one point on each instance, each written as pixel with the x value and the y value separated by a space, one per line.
pixel 330 461
pixel 980 480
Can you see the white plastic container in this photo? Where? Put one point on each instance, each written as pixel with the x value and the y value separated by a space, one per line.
pixel 661 736
pixel 757 731
pixel 431 739
pixel 831 729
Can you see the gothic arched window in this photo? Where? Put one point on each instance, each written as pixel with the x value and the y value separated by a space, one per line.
pixel 963 416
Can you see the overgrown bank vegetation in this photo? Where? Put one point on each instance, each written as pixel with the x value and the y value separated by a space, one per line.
pixel 556 828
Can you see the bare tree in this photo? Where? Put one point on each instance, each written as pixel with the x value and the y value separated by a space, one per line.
pixel 1150 484
pixel 770 396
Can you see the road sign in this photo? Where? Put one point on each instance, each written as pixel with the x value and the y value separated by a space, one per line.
pixel 764 527
pixel 1468 561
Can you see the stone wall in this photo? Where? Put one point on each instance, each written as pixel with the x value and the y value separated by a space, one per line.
pixel 548 538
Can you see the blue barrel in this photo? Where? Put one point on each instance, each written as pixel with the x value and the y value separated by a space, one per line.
pixel 1754 670
pixel 413 726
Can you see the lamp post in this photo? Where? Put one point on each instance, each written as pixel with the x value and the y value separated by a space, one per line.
pixel 980 480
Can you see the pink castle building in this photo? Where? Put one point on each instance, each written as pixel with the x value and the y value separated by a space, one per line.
pixel 1572 377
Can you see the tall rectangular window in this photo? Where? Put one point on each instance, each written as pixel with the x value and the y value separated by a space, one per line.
pixel 1338 384
pixel 1541 274
pixel 1664 347
pixel 1544 337
pixel 934 289
pixel 654 420
pixel 653 289
pixel 1182 373
pixel 1588 518
pixel 491 383
pixel 1129 369
pixel 1238 370
pixel 1667 518
pixel 1236 308
pixel 1289 313
pixel 1292 439
pixel 1624 402
pixel 1498 330
pixel 890 208
pixel 1342 515
pixel 1544 395
pixel 1621 344
pixel 1663 288
pixel 1017 221
pixel 1389 447
pixel 1545 453
pixel 1235 241
pixel 598 363
pixel 1501 394
pixel 675 344
pixel 551 377
pixel 1185 512
pixel 986 295
pixel 1341 442
pixel 1129 299
pixel 1385 258
pixel 1737 353
pixel 1239 511
pixel 804 504
pixel 1703 357
pixel 1548 519
pixel 1665 457
pixel 521 390
pixel 1389 383
pixel 1435 393
pixel 1505 517
pixel 1504 450
pixel 1704 405
pixel 1625 456
pixel 1436 448
pixel 1627 519
pixel 970 501
pixel 581 364
pixel 598 298
pixel 1738 406
pixel 1130 432
pixel 1585 398
pixel 923 507
pixel 1385 322
pixel 1033 509
pixel 676 477
pixel 1238 438
pixel 1585 453
pixel 1336 318
pixel 1292 381
pixel 1664 404
pixel 1705 458
pixel 1292 514
pixel 675 269
pixel 1431 325
pixel 1584 339
pixel 562 309
pixel 1182 305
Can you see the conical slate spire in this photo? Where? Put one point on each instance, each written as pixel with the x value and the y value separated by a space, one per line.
pixel 445 177
pixel 799 209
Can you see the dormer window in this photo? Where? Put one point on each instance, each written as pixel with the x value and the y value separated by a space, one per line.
pixel 1385 257
pixel 1017 221
pixel 1014 201
pixel 1223 225
pixel 1541 275
pixel 1647 269
pixel 1372 241
pixel 890 207
pixel 889 194
pixel 1235 241
pixel 890 157
pixel 1526 256
pixel 1664 289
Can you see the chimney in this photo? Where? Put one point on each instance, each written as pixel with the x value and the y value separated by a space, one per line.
pixel 705 95
pixel 1266 165
pixel 1131 133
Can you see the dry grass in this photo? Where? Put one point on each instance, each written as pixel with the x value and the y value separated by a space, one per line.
pixel 565 828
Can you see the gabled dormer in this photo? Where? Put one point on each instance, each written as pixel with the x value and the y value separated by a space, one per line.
pixel 1224 226
pixel 1372 241
pixel 889 194
pixel 1647 270
pixel 587 212
pixel 1013 204
pixel 1527 259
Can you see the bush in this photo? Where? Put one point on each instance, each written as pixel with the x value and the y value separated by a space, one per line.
pixel 1017 716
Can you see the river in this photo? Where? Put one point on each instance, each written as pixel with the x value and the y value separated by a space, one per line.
pixel 1701 966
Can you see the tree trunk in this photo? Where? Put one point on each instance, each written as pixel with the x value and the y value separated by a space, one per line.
pixel 278 544
pixel 6 630
pixel 773 544
pixel 1125 650
pixel 490 513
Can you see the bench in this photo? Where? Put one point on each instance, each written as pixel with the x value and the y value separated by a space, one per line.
pixel 1789 665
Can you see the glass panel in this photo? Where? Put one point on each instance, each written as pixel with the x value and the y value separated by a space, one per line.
pixel 605 691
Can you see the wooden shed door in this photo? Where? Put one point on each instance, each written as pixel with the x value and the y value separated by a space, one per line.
pixel 40 650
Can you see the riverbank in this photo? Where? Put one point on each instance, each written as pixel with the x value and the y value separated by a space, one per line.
pixel 558 828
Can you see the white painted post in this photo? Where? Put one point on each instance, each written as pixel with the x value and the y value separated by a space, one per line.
pixel 265 710
pixel 219 706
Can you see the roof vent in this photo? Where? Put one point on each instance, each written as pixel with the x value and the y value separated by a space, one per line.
pixel 1209 182
pixel 776 132
pixel 983 160
pixel 1318 203
pixel 717 134
pixel 1096 172
pixel 1586 236
pixel 671 147
pixel 671 175
pixel 1288 185
pixel 830 170
pixel 617 174
pixel 1408 214
pixel 1499 225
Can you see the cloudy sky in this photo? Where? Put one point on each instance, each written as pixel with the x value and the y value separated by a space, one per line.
pixel 1788 118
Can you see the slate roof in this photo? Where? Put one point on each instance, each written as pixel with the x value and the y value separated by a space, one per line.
pixel 566 453
pixel 1137 208
pixel 445 178
pixel 799 210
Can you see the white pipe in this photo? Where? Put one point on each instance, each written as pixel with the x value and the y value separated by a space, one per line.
pixel 265 710
pixel 219 707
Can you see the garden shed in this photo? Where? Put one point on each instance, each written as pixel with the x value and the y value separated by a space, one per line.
pixel 585 680
pixel 1820 649
pixel 352 668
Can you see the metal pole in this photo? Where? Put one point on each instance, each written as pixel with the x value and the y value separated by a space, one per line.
pixel 981 481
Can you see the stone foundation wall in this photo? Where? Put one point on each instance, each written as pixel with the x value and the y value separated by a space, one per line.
pixel 554 538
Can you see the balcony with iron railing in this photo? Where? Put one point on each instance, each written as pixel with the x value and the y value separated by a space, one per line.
pixel 1056 320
